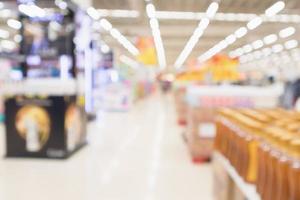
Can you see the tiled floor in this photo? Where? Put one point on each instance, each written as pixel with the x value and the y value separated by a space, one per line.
pixel 137 155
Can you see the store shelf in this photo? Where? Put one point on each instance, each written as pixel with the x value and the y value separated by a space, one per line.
pixel 46 86
pixel 248 190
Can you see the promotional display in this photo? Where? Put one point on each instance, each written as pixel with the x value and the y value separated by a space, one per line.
pixel 203 103
pixel 45 110
pixel 34 128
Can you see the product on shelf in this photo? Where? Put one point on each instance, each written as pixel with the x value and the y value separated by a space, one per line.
pixel 264 148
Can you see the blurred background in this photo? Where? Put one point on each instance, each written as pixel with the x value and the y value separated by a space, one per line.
pixel 149 99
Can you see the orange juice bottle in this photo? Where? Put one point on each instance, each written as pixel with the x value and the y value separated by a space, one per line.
pixel 294 171
pixel 282 184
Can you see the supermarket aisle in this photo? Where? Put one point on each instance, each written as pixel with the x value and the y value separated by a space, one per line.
pixel 136 156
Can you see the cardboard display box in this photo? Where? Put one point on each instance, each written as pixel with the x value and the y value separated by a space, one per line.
pixel 44 126
pixel 200 134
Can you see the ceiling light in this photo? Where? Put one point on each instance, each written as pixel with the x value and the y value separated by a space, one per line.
pixel 119 13
pixel 257 54
pixel 106 25
pixel 160 51
pixel 241 32
pixel 232 54
pixel 4 34
pixel 7 44
pixel 239 52
pixel 267 51
pixel 230 39
pixel 277 48
pixel 6 13
pixel 1 5
pixel 61 4
pixel 130 62
pixel 14 24
pixel 154 23
pixel 31 10
pixel 270 39
pixel 203 23
pixel 93 13
pixel 275 8
pixel 212 9
pixel 291 44
pixel 247 48
pixel 284 33
pixel 18 38
pixel 257 44
pixel 105 48
pixel 254 23
pixel 222 45
pixel 150 10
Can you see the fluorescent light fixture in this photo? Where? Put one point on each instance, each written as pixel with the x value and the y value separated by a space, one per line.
pixel 241 32
pixel 129 61
pixel 32 10
pixel 291 44
pixel 212 9
pixel 270 39
pixel 61 4
pixel 115 33
pixel 284 33
pixel 239 52
pixel 257 44
pixel 154 23
pixel 160 51
pixel 105 48
pixel 119 37
pixel 254 23
pixel 277 48
pixel 1 5
pixel 18 38
pixel 275 8
pixel 204 23
pixel 222 45
pixel 106 25
pixel 7 44
pixel 232 54
pixel 150 10
pixel 247 48
pixel 15 24
pixel 267 51
pixel 93 13
pixel 4 34
pixel 230 39
pixel 257 54
pixel 119 13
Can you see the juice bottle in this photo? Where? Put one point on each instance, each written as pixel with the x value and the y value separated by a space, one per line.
pixel 294 171
pixel 282 170
pixel 270 192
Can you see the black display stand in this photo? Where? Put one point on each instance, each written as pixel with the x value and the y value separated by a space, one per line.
pixel 39 127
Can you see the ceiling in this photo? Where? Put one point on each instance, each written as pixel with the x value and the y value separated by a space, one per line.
pixel 175 33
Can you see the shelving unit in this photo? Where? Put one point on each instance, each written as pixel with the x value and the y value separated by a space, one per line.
pixel 247 189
